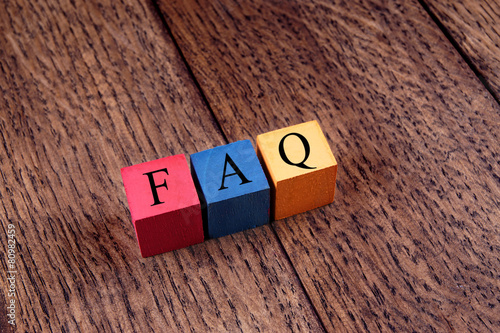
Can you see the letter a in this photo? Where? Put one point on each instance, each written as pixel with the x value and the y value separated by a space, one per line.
pixel 237 171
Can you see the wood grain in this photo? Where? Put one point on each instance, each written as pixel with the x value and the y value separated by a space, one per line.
pixel 88 87
pixel 473 25
pixel 411 242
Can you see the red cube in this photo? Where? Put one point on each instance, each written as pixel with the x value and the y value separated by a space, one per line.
pixel 164 205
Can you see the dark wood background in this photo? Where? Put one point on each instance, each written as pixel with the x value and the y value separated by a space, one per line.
pixel 407 93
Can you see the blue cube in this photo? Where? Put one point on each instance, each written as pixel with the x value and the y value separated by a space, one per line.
pixel 233 189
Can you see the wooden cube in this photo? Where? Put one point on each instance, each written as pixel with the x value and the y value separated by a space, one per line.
pixel 164 205
pixel 300 167
pixel 233 188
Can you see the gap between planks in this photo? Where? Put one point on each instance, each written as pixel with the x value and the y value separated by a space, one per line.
pixel 460 50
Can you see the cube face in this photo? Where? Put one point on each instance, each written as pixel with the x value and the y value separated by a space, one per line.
pixel 170 231
pixel 237 214
pixel 164 205
pixel 300 166
pixel 233 188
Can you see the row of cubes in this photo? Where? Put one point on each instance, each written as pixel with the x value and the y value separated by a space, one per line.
pixel 229 188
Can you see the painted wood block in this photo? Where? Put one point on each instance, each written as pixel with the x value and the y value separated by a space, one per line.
pixel 233 188
pixel 164 205
pixel 300 167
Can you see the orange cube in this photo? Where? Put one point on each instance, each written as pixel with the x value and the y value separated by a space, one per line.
pixel 300 168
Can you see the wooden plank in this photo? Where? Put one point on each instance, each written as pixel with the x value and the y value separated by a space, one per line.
pixel 88 87
pixel 473 25
pixel 411 241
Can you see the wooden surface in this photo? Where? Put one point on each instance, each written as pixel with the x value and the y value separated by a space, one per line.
pixel 473 26
pixel 412 239
pixel 411 242
pixel 88 88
